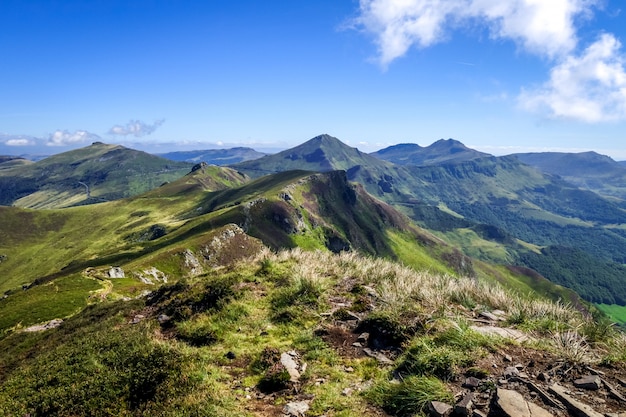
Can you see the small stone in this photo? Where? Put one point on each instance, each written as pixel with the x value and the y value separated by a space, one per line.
pixel 346 392
pixel 163 319
pixel 513 404
pixel 357 344
pixel 348 369
pixel 363 337
pixel 286 359
pixel 489 316
pixel 138 318
pixel 471 382
pixel 439 409
pixel 378 356
pixel 511 371
pixel 508 358
pixel 590 382
pixel 296 408
pixel 464 407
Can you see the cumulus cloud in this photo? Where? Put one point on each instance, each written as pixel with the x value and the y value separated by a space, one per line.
pixel 587 85
pixel 66 138
pixel 590 87
pixel 539 26
pixel 136 128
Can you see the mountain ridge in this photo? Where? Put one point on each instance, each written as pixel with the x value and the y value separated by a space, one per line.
pixel 88 175
pixel 441 151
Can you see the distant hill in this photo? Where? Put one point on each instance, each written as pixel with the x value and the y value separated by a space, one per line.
pixel 7 162
pixel 92 174
pixel 588 170
pixel 215 156
pixel 443 150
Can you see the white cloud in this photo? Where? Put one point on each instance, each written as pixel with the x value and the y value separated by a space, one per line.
pixel 545 27
pixel 19 142
pixel 65 138
pixel 590 87
pixel 136 128
pixel 587 85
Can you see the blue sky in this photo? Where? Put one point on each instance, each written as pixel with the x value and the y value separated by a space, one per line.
pixel 500 76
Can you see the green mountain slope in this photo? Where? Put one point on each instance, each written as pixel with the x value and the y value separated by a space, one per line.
pixel 172 227
pixel 42 243
pixel 495 208
pixel 326 153
pixel 587 170
pixel 187 227
pixel 96 173
pixel 449 150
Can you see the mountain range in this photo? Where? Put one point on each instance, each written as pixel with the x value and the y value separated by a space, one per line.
pixel 520 210
pixel 321 279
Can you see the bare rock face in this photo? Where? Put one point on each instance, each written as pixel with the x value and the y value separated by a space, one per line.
pixel 288 360
pixel 574 406
pixel 116 272
pixel 513 404
pixel 192 263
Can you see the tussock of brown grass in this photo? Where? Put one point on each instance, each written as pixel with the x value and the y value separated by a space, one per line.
pixel 400 287
pixel 402 290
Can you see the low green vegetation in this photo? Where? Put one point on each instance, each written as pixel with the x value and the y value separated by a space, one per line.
pixel 206 345
pixel 58 299
pixel 616 312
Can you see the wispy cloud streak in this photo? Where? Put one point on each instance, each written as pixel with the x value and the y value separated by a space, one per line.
pixel 135 128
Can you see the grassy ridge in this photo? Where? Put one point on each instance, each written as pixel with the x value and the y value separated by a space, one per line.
pixel 212 356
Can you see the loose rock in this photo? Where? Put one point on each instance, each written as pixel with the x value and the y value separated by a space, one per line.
pixel 513 404
pixel 296 408
pixel 439 409
pixel 590 382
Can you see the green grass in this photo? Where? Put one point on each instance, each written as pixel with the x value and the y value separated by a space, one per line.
pixel 57 299
pixel 477 247
pixel 409 253
pixel 409 397
pixel 615 312
pixel 212 354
